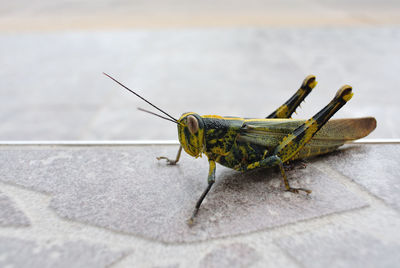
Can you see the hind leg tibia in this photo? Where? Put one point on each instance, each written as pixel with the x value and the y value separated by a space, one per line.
pixel 294 142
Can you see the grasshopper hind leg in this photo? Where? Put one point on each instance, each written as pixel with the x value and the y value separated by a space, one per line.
pixel 295 141
pixel 170 161
pixel 289 107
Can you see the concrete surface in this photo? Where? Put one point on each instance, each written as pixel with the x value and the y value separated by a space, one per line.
pixel 53 88
pixel 120 200
pixel 59 15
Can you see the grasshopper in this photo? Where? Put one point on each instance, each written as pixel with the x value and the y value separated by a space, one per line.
pixel 245 144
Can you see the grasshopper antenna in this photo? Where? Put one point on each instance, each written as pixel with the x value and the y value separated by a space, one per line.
pixel 130 90
pixel 163 117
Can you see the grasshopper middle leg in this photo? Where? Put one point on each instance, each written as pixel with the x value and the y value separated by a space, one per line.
pixel 289 107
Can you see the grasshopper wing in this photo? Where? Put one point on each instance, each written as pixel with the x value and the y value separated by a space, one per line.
pixel 333 134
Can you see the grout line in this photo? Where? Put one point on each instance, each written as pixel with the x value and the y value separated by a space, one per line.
pixel 90 142
pixel 146 142
pixel 361 190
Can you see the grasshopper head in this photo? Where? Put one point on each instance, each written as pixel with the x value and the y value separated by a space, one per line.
pixel 191 133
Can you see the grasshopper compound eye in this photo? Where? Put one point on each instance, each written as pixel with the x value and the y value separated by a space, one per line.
pixel 193 124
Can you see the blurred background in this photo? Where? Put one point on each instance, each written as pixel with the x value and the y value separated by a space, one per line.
pixel 239 58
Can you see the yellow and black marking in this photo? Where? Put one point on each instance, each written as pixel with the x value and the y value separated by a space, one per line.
pixel 245 144
pixel 192 143
pixel 292 143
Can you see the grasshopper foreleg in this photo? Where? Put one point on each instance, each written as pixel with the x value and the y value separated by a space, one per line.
pixel 211 180
pixel 172 162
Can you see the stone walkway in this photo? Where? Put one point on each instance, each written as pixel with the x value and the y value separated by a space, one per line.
pixel 95 206
pixel 116 205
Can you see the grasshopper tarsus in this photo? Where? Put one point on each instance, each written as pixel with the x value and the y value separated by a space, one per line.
pixel 169 161
pixel 190 221
pixel 172 162
pixel 297 190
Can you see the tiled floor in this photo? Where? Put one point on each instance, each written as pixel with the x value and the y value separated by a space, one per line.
pixel 121 201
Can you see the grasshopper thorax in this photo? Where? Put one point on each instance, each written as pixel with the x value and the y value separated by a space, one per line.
pixel 191 133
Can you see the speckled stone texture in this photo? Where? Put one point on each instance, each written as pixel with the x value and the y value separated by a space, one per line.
pixel 33 254
pixel 342 248
pixel 375 167
pixel 236 255
pixel 126 189
pixel 10 214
